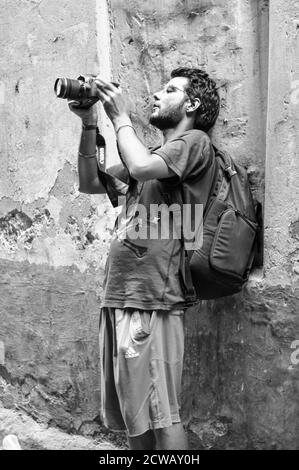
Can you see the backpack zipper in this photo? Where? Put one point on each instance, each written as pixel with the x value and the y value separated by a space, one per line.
pixel 236 211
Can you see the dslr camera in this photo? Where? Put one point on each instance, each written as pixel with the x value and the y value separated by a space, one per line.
pixel 83 90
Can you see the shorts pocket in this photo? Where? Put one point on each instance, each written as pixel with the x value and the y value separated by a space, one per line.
pixel 140 325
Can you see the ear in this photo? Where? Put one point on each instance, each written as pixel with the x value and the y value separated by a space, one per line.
pixel 193 105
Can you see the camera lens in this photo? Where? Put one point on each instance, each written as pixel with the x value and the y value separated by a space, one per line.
pixel 68 88
pixel 60 87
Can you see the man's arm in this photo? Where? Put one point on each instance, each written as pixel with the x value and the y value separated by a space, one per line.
pixel 140 162
pixel 89 181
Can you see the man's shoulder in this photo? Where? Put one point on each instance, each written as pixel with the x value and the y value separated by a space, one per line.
pixel 187 153
pixel 193 135
pixel 189 141
pixel 192 142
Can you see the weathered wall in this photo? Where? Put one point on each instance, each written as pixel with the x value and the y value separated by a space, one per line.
pixel 244 384
pixel 228 39
pixel 53 240
pixel 282 195
pixel 239 388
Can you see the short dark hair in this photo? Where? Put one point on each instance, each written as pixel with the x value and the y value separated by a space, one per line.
pixel 203 87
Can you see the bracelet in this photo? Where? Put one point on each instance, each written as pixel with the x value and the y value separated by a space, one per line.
pixel 92 155
pixel 124 125
pixel 90 127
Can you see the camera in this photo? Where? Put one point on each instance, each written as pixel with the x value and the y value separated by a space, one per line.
pixel 83 90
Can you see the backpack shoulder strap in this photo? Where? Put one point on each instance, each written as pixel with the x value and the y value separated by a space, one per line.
pixel 185 271
pixel 227 167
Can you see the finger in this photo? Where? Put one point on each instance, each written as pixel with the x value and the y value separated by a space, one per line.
pixel 109 85
pixel 103 93
pixel 105 85
pixel 101 81
pixel 73 103
pixel 104 97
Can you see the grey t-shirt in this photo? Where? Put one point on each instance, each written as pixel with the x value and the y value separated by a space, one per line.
pixel 143 266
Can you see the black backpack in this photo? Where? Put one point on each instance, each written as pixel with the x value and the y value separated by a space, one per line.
pixel 231 225
pixel 221 266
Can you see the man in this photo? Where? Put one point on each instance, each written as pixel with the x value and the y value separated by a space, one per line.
pixel 144 293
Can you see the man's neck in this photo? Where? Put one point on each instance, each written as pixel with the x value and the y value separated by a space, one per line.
pixel 176 131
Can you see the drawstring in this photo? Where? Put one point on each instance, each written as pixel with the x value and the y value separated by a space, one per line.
pixel 114 333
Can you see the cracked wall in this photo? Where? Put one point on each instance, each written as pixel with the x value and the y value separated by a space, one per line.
pixel 282 257
pixel 53 240
pixel 240 389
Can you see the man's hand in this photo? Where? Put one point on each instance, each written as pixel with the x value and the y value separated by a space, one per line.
pixel 141 164
pixel 113 101
pixel 89 116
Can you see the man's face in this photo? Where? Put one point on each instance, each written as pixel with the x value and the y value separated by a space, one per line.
pixel 168 108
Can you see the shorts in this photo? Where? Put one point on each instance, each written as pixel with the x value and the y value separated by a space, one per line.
pixel 141 368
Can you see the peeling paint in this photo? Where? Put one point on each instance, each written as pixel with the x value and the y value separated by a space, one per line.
pixel 14 223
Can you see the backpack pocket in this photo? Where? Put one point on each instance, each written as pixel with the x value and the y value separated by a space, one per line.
pixel 232 247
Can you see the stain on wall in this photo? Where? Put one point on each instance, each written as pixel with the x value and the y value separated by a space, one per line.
pixel 53 240
pixel 228 39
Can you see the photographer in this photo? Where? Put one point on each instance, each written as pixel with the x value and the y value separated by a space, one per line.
pixel 144 297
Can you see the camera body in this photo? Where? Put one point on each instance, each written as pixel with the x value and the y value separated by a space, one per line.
pixel 83 90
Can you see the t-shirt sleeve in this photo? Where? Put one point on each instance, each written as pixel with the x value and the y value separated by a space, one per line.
pixel 189 155
pixel 116 180
pixel 120 172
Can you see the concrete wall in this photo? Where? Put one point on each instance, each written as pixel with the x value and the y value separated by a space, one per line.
pixel 240 388
pixel 282 195
pixel 228 39
pixel 53 240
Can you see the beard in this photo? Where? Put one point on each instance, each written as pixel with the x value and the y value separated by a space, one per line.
pixel 167 119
